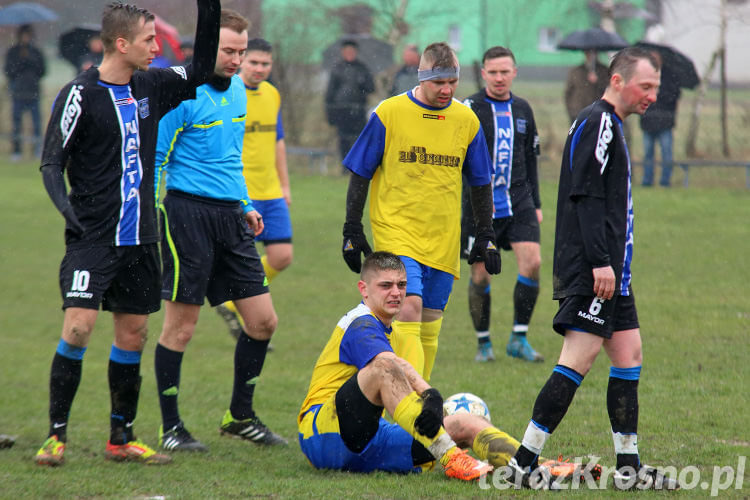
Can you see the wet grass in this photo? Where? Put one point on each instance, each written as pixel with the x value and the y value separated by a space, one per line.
pixel 691 276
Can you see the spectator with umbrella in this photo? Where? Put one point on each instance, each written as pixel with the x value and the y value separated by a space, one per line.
pixel 586 82
pixel 82 46
pixel 660 118
pixel 24 67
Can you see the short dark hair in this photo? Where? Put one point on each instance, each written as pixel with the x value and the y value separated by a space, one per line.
pixel 120 20
pixel 380 261
pixel 349 43
pixel 625 60
pixel 259 44
pixel 498 51
pixel 438 55
pixel 233 20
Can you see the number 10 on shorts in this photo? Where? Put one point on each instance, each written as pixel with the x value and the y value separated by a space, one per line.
pixel 80 281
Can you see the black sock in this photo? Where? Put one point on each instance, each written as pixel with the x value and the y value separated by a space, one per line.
pixel 167 365
pixel 65 376
pixel 249 356
pixel 550 407
pixel 622 406
pixel 524 299
pixel 555 397
pixel 124 387
pixel 479 306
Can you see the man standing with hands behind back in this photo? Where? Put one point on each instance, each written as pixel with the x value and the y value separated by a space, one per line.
pixel 510 130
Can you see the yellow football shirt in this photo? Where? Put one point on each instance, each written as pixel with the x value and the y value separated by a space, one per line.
pixel 263 129
pixel 358 337
pixel 415 155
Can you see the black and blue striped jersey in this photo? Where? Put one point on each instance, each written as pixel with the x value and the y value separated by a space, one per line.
pixel 104 135
pixel 513 143
pixel 594 226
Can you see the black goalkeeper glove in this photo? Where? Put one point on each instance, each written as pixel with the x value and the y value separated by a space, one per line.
pixel 355 243
pixel 429 421
pixel 485 250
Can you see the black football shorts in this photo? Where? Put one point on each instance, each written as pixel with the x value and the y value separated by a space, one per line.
pixel 593 315
pixel 523 226
pixel 208 250
pixel 122 279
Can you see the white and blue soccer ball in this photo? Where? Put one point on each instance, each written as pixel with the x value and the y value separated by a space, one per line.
pixel 466 402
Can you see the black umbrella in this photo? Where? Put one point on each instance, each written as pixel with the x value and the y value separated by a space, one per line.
pixel 19 13
pixel 676 66
pixel 376 54
pixel 592 39
pixel 74 43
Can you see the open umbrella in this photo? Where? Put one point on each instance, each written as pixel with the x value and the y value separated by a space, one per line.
pixel 376 54
pixel 592 39
pixel 74 43
pixel 19 13
pixel 676 66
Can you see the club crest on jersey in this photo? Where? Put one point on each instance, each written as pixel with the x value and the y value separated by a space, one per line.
pixel 603 139
pixel 71 112
pixel 143 109
pixel 180 70
pixel 521 125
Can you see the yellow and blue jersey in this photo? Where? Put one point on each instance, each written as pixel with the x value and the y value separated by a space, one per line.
pixel 263 129
pixel 415 155
pixel 359 336
pixel 200 145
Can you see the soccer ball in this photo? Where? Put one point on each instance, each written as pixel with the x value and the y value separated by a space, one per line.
pixel 466 402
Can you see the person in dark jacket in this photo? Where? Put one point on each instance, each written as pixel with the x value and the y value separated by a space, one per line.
pixel 346 96
pixel 406 77
pixel 585 84
pixel 657 124
pixel 24 67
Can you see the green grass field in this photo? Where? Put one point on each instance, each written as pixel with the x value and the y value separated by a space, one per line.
pixel 691 277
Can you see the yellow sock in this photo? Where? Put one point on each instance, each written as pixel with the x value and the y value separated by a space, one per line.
pixel 406 412
pixel 406 343
pixel 271 273
pixel 429 334
pixel 230 305
pixel 495 446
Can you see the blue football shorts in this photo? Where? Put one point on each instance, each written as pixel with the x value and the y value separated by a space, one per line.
pixel 278 224
pixel 433 285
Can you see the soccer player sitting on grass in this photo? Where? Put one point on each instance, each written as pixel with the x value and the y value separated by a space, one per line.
pixel 358 375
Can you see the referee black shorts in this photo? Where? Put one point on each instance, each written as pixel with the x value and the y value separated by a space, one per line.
pixel 597 316
pixel 122 279
pixel 208 250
